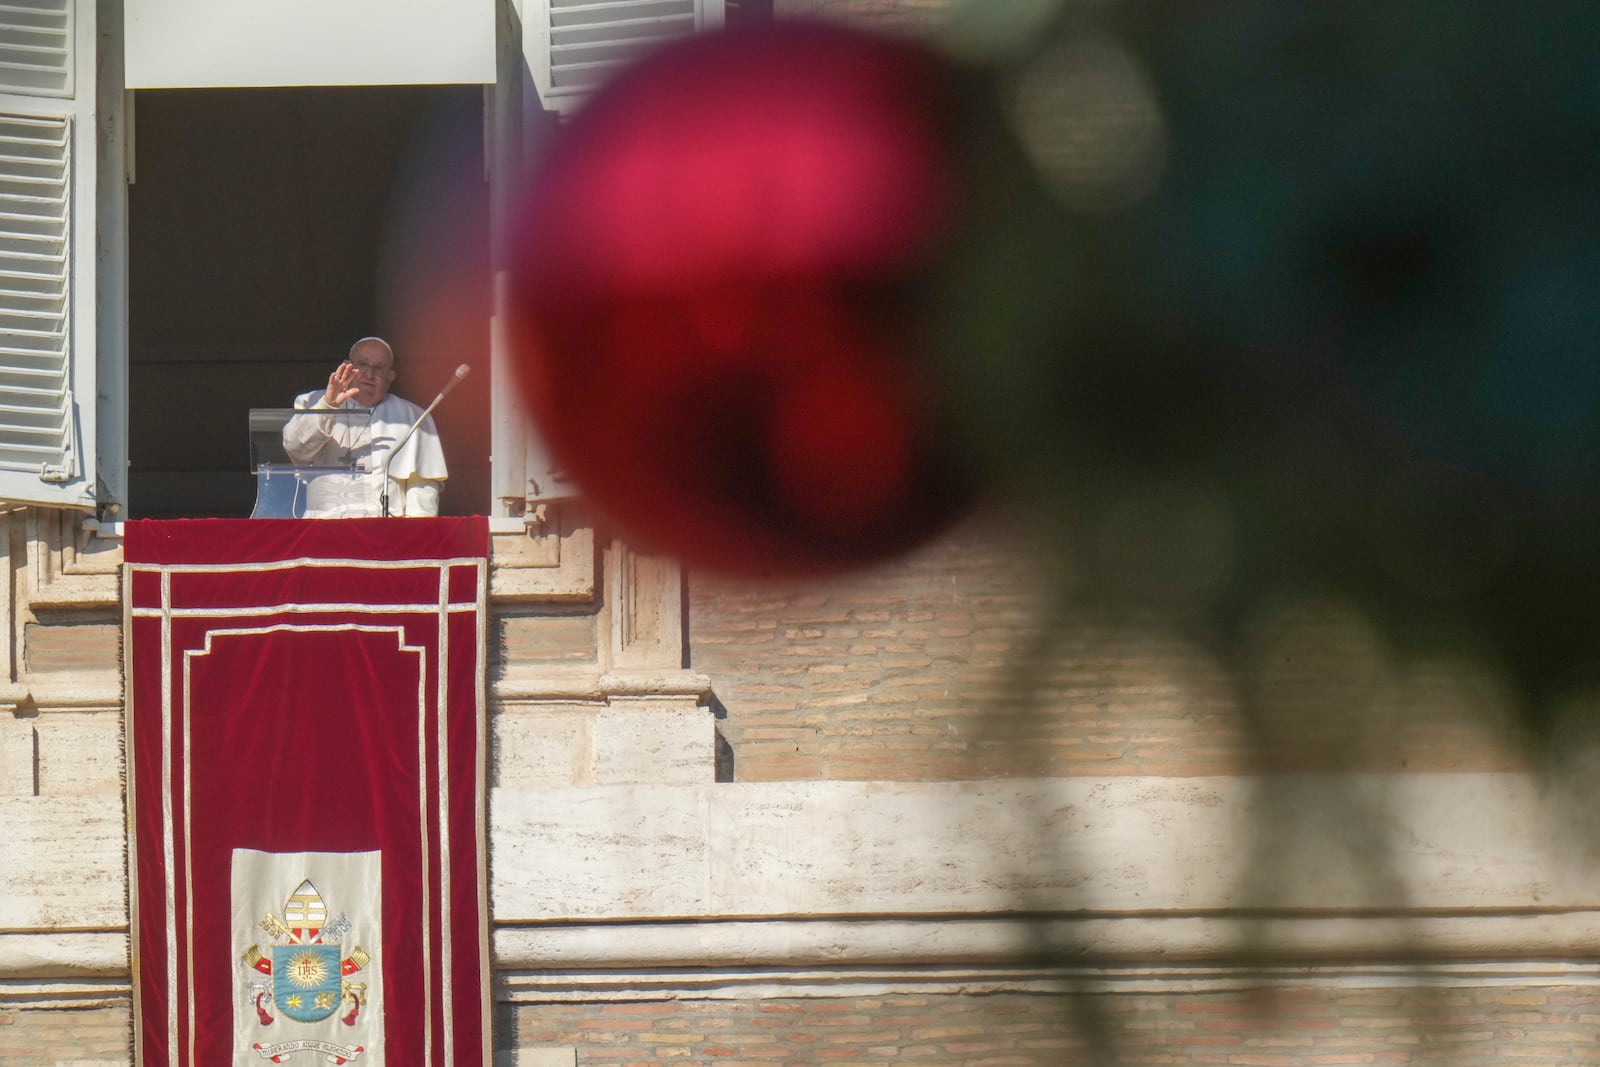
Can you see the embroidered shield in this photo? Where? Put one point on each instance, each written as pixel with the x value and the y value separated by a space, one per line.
pixel 306 980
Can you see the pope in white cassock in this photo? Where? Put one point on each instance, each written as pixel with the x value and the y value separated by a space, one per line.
pixel 415 474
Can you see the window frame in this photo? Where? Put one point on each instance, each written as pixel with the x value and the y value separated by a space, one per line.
pixel 103 133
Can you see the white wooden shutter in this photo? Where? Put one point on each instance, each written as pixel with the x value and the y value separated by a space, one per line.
pixel 569 47
pixel 36 47
pixel 47 160
pixel 573 45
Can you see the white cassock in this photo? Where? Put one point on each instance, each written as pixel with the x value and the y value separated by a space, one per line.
pixel 415 474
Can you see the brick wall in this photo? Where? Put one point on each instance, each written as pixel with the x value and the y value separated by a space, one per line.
pixel 1484 1026
pixel 50 1037
pixel 958 662
pixel 1550 1027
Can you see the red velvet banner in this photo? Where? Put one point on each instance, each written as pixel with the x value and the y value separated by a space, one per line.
pixel 306 740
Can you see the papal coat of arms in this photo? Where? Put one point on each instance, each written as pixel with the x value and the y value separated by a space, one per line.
pixel 310 972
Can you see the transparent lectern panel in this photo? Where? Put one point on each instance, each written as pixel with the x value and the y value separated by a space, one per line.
pixel 313 464
pixel 286 436
pixel 289 492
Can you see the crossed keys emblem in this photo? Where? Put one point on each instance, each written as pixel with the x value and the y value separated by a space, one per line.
pixel 310 970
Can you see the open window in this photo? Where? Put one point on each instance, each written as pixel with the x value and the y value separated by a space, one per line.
pixel 302 174
pixel 269 228
pixel 295 168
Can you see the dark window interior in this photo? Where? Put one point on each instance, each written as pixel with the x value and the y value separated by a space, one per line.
pixel 271 228
pixel 741 11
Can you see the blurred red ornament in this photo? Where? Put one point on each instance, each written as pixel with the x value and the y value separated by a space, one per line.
pixel 713 294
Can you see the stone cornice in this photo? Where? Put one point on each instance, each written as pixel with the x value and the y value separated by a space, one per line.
pixel 868 957
pixel 1048 944
pixel 75 561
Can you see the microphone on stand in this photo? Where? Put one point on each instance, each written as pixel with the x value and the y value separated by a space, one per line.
pixel 461 373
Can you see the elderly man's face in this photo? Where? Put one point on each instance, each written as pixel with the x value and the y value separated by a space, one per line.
pixel 373 362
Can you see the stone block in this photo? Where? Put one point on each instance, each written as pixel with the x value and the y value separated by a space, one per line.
pixel 628 741
pixel 542 745
pixel 537 1057
pixel 18 747
pixel 609 852
pixel 79 753
pixel 63 863
pixel 641 741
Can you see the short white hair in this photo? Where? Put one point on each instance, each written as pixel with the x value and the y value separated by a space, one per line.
pixel 387 347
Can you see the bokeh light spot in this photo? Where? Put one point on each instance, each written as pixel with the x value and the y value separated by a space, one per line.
pixel 1087 116
pixel 711 303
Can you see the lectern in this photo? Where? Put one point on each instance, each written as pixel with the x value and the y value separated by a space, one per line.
pixel 335 482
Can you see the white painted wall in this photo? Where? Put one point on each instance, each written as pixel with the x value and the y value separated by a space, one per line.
pixel 196 43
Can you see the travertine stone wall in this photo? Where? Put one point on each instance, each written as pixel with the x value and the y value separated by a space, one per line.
pixel 986 876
